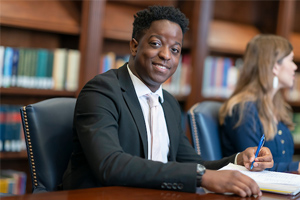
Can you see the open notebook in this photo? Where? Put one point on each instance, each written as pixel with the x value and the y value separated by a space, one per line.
pixel 276 182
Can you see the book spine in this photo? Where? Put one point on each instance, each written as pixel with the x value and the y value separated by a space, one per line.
pixel 3 110
pixel 59 68
pixel 7 67
pixel 2 49
pixel 72 70
pixel 15 67
pixel 206 76
pixel 50 81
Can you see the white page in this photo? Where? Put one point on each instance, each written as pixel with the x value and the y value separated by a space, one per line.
pixel 276 181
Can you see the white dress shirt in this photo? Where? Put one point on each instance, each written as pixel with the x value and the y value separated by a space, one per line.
pixel 141 90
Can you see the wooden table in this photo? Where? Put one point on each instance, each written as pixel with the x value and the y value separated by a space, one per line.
pixel 127 193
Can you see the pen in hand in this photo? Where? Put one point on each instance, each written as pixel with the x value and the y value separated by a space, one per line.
pixel 261 143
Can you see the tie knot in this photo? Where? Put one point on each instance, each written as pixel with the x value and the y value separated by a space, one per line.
pixel 153 100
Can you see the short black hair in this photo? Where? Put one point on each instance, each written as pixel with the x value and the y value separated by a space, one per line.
pixel 144 18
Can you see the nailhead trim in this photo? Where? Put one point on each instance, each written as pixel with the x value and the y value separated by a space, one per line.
pixel 29 146
pixel 195 129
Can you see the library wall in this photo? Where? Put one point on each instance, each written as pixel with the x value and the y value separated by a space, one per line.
pixel 100 31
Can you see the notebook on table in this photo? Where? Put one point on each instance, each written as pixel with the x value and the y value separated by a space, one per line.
pixel 268 181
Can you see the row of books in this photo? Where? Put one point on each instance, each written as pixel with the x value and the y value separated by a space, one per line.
pixel 296 131
pixel 180 83
pixel 220 75
pixel 11 131
pixel 111 60
pixel 293 94
pixel 13 182
pixel 56 69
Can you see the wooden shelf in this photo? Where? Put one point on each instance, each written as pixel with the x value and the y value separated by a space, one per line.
pixel 56 16
pixel 118 19
pixel 297 146
pixel 180 98
pixel 294 103
pixel 117 23
pixel 219 99
pixel 35 92
pixel 229 37
pixel 146 3
pixel 13 155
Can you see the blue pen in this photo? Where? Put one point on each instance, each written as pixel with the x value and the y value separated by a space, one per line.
pixel 261 143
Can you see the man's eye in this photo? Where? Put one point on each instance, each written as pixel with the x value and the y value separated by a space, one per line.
pixel 155 43
pixel 175 50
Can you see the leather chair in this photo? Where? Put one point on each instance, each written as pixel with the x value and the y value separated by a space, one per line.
pixel 204 126
pixel 48 133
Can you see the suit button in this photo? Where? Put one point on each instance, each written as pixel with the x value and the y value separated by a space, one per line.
pixel 280 132
pixel 163 186
pixel 283 152
pixel 180 186
pixel 169 186
pixel 174 186
pixel 282 141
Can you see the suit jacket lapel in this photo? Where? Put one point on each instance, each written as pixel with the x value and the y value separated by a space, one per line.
pixel 133 104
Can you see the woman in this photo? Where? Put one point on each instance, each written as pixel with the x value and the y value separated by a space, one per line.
pixel 257 107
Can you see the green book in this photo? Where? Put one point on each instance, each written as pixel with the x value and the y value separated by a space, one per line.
pixel 21 68
pixel 41 68
pixel 49 70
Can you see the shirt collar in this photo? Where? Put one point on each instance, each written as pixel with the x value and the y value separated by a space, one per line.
pixel 141 89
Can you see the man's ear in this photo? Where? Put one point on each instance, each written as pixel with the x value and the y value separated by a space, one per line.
pixel 275 69
pixel 133 46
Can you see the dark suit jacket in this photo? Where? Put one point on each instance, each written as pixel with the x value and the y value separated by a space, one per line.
pixel 110 140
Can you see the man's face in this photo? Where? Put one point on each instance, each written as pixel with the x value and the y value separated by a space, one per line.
pixel 157 53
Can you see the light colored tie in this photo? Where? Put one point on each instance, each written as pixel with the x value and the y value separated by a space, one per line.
pixel 156 114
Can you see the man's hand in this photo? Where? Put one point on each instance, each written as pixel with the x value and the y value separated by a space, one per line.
pixel 264 159
pixel 230 181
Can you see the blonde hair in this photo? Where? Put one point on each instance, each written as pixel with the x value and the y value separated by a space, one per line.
pixel 256 82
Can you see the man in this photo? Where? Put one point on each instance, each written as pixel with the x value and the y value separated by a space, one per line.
pixel 113 138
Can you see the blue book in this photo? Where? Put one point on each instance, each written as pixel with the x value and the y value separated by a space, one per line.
pixel 15 128
pixel 2 49
pixel 12 132
pixel 3 110
pixel 15 62
pixel 7 67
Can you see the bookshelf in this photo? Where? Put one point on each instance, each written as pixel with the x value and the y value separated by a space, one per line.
pixel 98 27
pixel 50 25
pixel 227 34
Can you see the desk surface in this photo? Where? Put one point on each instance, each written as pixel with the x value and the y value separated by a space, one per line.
pixel 127 193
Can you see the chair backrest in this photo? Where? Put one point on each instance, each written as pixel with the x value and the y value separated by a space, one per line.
pixel 204 126
pixel 48 133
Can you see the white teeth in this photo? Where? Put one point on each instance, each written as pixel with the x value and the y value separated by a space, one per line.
pixel 162 67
